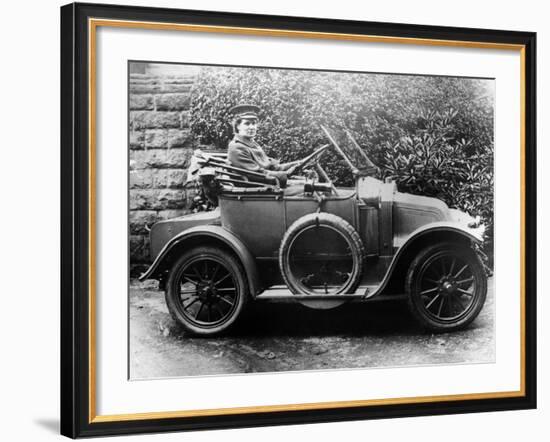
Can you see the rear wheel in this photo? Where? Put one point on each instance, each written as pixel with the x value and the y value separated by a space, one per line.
pixel 446 286
pixel 206 291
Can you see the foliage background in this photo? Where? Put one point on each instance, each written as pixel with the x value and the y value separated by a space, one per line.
pixel 432 135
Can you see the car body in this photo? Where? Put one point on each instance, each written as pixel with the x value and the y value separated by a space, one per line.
pixel 323 247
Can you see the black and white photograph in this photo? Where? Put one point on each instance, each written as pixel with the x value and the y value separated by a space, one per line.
pixel 288 220
pixel 275 220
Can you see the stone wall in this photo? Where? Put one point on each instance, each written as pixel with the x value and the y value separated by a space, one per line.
pixel 161 145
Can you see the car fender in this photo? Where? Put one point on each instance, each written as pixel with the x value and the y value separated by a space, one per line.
pixel 439 231
pixel 475 235
pixel 208 232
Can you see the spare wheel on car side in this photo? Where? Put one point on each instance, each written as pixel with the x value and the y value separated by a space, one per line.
pixel 321 254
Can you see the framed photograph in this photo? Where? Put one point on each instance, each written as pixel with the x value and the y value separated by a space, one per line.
pixel 274 220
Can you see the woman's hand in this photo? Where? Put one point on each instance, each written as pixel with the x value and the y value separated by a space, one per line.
pixel 291 170
pixel 288 166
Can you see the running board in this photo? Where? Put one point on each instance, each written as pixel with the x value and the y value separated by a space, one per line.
pixel 282 292
pixel 274 296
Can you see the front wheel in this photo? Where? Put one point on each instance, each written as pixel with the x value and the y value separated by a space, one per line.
pixel 206 291
pixel 447 286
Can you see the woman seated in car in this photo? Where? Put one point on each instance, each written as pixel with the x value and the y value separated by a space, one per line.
pixel 246 153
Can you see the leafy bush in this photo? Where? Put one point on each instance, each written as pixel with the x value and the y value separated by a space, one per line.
pixel 432 135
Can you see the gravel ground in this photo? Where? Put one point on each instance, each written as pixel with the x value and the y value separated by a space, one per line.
pixel 289 337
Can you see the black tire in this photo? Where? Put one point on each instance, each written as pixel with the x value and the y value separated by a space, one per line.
pixel 206 291
pixel 346 246
pixel 446 286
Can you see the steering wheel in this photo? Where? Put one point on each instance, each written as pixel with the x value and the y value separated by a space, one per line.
pixel 307 160
pixel 314 157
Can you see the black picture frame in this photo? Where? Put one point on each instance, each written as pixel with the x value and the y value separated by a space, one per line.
pixel 77 404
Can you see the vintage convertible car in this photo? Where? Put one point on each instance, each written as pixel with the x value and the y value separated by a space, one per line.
pixel 321 246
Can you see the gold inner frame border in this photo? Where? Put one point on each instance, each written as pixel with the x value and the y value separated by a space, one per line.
pixel 93 24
